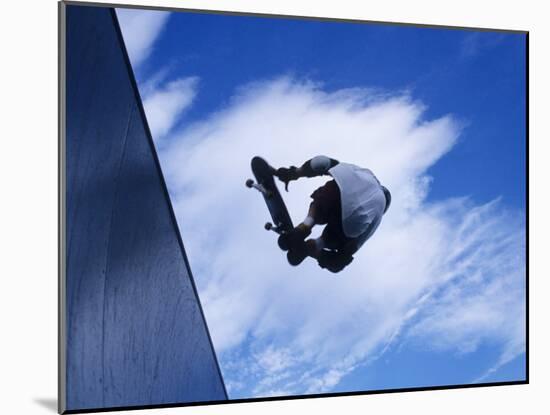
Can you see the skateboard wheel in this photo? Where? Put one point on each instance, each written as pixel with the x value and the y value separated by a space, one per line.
pixel 268 226
pixel 249 183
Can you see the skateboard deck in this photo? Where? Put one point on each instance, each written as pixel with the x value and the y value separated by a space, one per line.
pixel 265 184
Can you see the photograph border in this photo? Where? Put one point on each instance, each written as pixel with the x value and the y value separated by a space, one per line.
pixel 62 216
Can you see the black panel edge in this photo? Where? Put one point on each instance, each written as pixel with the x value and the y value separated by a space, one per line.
pixel 61 211
pixel 298 397
pixel 293 17
pixel 527 207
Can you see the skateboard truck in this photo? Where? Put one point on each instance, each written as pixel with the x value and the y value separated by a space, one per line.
pixel 251 184
pixel 270 227
pixel 277 229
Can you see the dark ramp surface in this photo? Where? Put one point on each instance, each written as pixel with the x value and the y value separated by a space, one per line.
pixel 136 335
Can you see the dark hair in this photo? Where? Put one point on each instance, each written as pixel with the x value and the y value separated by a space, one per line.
pixel 388 198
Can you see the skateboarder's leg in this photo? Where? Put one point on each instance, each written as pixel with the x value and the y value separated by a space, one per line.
pixel 312 248
pixel 330 248
pixel 297 235
pixel 325 204
pixel 308 223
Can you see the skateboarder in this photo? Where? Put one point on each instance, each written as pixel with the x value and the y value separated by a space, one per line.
pixel 351 205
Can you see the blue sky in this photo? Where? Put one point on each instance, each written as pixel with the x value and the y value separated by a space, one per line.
pixel 437 297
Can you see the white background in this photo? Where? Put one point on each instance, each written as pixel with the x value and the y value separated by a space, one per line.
pixel 28 208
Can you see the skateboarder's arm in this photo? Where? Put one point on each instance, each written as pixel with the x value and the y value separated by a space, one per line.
pixel 317 166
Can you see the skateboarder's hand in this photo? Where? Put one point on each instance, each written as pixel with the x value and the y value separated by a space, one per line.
pixel 286 175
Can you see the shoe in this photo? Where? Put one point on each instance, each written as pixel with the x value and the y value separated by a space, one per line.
pixel 297 254
pixel 294 237
pixel 283 243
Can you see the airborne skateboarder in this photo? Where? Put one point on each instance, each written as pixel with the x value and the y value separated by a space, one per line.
pixel 351 205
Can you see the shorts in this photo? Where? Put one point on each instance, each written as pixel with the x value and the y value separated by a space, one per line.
pixel 328 210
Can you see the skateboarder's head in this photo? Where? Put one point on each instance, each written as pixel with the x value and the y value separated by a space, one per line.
pixel 388 198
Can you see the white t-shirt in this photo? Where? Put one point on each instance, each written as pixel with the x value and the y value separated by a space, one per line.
pixel 363 200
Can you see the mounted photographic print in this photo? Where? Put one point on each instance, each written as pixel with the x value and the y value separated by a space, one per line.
pixel 260 207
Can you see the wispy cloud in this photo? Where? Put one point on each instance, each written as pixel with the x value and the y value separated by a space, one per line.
pixel 481 297
pixel 140 29
pixel 446 274
pixel 475 42
pixel 165 104
pixel 165 100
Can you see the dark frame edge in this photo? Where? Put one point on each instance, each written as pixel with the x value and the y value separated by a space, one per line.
pixel 285 16
pixel 297 397
pixel 527 207
pixel 61 240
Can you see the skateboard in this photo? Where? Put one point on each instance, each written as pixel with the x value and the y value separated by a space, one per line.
pixel 265 184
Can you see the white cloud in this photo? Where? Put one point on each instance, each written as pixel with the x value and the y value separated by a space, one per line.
pixel 481 296
pixel 164 105
pixel 475 42
pixel 447 274
pixel 272 360
pixel 140 29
